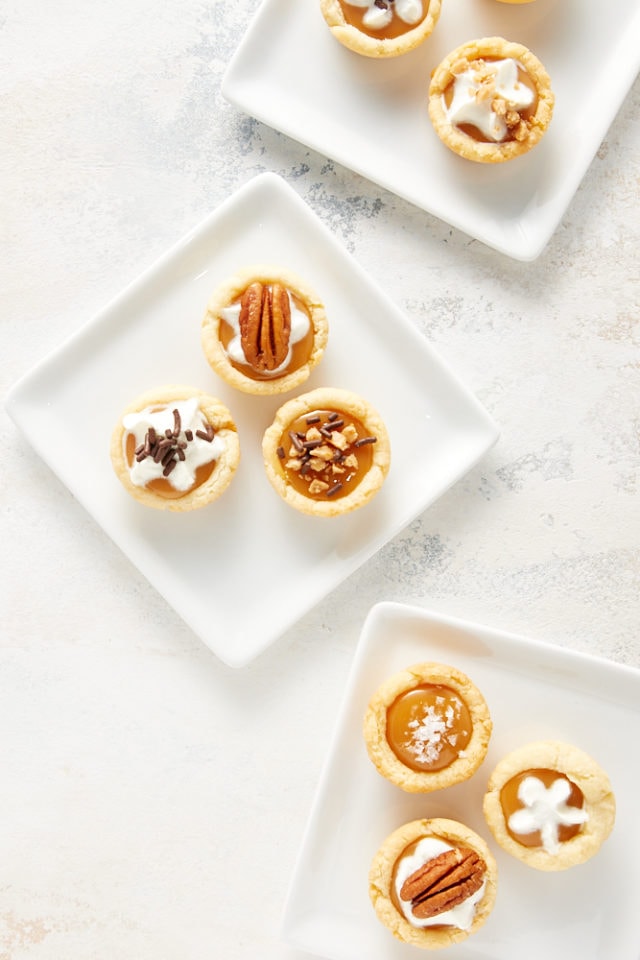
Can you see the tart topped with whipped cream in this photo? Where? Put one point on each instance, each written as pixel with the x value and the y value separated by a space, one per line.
pixel 490 100
pixel 175 448
pixel 550 805
pixel 264 330
pixel 381 28
pixel 432 883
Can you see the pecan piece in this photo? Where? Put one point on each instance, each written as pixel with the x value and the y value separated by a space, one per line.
pixel 265 325
pixel 444 882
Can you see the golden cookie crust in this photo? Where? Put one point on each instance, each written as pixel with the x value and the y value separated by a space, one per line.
pixel 460 142
pixel 354 39
pixel 375 726
pixel 381 878
pixel 220 419
pixel 579 767
pixel 334 399
pixel 228 292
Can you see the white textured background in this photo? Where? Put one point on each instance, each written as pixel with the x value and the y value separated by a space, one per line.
pixel 140 779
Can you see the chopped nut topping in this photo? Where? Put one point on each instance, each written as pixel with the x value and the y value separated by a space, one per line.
pixel 323 453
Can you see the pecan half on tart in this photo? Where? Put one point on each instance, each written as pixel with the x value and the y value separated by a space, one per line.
pixel 175 448
pixel 550 805
pixel 327 452
pixel 381 28
pixel 433 882
pixel 427 727
pixel 264 330
pixel 490 100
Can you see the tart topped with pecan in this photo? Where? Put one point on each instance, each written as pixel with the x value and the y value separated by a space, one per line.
pixel 327 452
pixel 433 882
pixel 264 331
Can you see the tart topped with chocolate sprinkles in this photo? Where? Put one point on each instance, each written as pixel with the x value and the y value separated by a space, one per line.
pixel 175 449
pixel 327 452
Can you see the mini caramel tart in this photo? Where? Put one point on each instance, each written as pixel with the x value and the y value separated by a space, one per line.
pixel 432 883
pixel 550 805
pixel 490 100
pixel 175 448
pixel 264 331
pixel 427 727
pixel 327 452
pixel 381 28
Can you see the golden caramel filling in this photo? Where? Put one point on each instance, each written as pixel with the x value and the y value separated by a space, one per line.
pixel 325 454
pixel 511 803
pixel 264 331
pixel 428 727
pixel 513 117
pixel 395 28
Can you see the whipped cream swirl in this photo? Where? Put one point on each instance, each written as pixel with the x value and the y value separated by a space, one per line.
pixel 545 810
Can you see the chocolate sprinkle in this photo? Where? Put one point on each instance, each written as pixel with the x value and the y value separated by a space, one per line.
pixel 365 440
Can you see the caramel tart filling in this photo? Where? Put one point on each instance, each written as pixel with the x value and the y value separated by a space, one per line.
pixel 428 727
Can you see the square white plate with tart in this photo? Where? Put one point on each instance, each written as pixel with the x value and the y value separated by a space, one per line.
pixel 534 691
pixel 371 115
pixel 243 569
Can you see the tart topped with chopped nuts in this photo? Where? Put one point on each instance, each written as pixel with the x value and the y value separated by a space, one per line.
pixel 327 452
pixel 264 330
pixel 175 448
pixel 490 100
pixel 432 883
pixel 381 28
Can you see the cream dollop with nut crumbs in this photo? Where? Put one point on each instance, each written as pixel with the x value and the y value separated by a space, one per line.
pixel 479 89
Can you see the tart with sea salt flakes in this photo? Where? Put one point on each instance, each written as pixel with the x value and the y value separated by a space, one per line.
pixel 175 448
pixel 381 28
pixel 433 882
pixel 264 330
pixel 327 452
pixel 490 100
pixel 427 727
pixel 550 805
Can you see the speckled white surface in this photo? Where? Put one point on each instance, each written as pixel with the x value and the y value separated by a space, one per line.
pixel 143 782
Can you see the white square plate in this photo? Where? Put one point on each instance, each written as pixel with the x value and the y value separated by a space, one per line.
pixel 248 566
pixel 534 691
pixel 371 116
